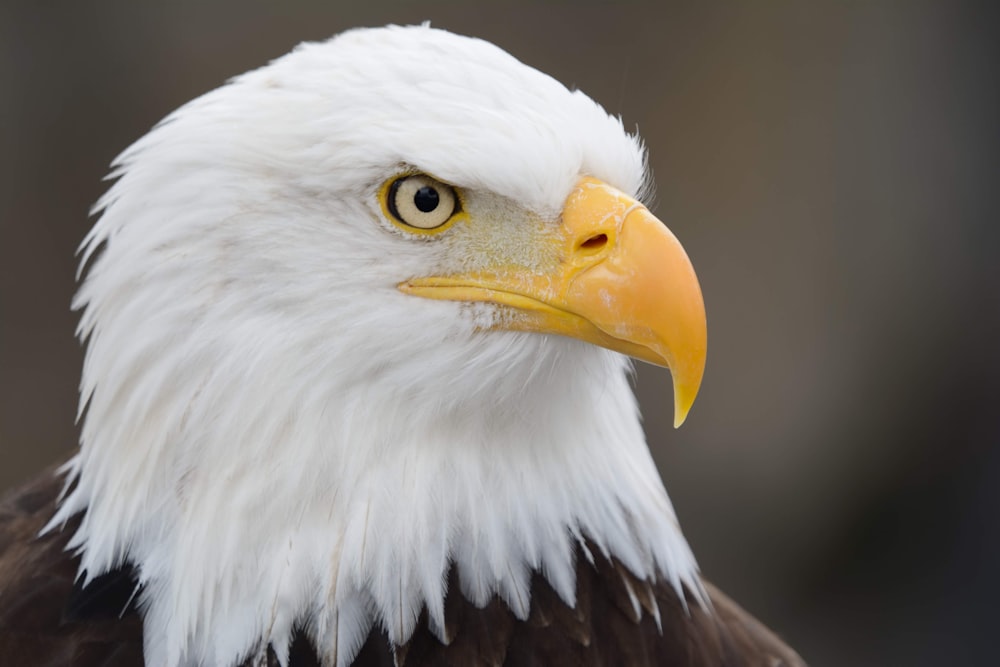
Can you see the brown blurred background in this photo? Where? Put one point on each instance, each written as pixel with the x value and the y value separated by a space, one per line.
pixel 832 169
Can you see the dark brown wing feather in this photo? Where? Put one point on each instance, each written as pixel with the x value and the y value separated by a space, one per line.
pixel 46 621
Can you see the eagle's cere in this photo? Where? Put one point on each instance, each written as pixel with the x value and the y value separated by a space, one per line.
pixel 357 331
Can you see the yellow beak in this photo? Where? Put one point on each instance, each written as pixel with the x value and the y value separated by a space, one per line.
pixel 619 279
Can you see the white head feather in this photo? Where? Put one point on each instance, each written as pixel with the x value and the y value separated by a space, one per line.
pixel 275 436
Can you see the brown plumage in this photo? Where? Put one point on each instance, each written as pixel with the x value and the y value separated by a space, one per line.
pixel 46 621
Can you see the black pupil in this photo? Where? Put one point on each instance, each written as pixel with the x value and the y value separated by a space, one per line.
pixel 426 199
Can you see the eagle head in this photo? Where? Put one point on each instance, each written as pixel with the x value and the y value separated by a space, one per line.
pixel 358 317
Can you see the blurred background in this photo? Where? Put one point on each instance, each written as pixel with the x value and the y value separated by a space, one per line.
pixel 831 168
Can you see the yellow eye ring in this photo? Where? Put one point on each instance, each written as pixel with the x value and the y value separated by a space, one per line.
pixel 419 203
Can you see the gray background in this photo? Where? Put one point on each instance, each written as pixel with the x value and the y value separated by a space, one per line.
pixel 828 167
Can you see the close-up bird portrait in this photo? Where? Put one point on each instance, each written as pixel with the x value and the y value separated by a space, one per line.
pixel 389 348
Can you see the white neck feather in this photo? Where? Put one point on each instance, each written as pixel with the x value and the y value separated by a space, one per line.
pixel 333 510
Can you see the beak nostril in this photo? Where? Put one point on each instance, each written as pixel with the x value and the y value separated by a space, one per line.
pixel 594 243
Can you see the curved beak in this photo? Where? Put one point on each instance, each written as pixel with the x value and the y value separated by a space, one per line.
pixel 619 279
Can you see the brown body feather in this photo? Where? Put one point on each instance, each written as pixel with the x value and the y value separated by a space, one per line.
pixel 46 621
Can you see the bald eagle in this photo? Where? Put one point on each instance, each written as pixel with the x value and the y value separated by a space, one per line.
pixel 358 327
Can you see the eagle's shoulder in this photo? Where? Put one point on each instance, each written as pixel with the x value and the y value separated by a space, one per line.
pixel 44 618
pixel 745 640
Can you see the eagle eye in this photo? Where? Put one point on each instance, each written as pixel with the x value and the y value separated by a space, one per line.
pixel 420 202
